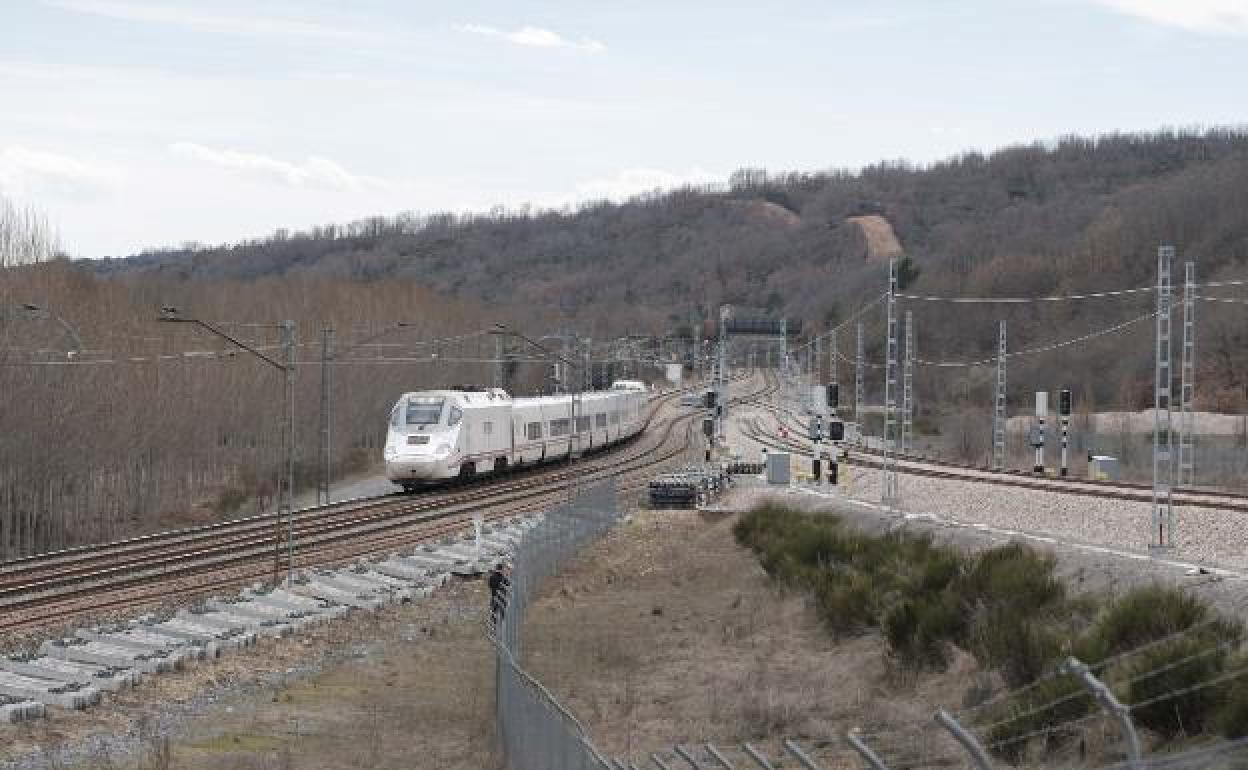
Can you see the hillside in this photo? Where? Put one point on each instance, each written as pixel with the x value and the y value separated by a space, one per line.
pixel 1069 215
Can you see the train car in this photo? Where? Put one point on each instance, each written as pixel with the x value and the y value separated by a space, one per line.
pixel 444 434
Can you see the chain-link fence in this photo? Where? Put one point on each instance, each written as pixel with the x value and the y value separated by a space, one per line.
pixel 535 731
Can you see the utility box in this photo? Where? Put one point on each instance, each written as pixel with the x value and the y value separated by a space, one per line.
pixel 1103 468
pixel 818 399
pixel 778 471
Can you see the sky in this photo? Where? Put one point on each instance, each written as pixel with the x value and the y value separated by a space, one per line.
pixel 137 124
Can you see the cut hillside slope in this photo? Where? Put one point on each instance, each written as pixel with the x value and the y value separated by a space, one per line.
pixel 882 243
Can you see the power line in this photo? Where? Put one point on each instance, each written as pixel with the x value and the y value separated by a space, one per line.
pixel 1042 348
pixel 1025 300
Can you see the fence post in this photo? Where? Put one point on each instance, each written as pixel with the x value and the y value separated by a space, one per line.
pixel 762 761
pixel 800 755
pixel 714 752
pixel 1109 704
pixel 680 751
pixel 964 737
pixel 864 751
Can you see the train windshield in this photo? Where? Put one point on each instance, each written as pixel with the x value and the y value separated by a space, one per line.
pixel 424 411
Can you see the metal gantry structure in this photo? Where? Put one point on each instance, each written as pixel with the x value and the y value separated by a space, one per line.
pixel 888 478
pixel 907 388
pixel 1161 535
pixel 859 372
pixel 1187 383
pixel 999 404
pixel 286 482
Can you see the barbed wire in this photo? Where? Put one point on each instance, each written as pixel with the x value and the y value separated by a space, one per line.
pixel 1047 730
pixel 1241 672
pixel 1096 666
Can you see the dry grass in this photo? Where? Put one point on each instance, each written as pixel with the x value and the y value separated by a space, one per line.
pixel 407 687
pixel 667 632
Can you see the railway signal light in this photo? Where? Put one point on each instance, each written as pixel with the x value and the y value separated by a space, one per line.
pixel 834 395
pixel 836 430
pixel 1063 402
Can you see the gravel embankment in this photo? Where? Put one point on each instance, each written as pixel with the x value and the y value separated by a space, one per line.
pixel 1204 536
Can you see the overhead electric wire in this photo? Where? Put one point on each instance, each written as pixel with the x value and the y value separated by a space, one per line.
pixel 861 311
pixel 1040 349
pixel 79 358
pixel 1024 300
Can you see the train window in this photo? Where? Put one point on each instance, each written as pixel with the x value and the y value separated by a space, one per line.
pixel 395 420
pixel 487 428
pixel 560 427
pixel 455 416
pixel 582 424
pixel 533 430
pixel 600 420
pixel 424 411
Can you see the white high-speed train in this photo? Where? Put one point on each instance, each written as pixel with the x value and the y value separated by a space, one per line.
pixel 442 434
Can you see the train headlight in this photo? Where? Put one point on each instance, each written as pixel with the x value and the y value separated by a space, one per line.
pixel 443 450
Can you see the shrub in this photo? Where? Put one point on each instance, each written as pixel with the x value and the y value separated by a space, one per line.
pixel 1172 667
pixel 1231 718
pixel 1010 639
pixel 1149 613
pixel 1012 574
pixel 229 500
pixel 846 601
pixel 1050 703
pixel 919 629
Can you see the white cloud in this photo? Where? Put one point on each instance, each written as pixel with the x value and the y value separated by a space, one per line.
pixel 536 37
pixel 166 13
pixel 26 172
pixel 315 172
pixel 1223 17
pixel 630 182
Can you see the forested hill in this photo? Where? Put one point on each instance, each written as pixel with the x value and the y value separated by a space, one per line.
pixel 1074 214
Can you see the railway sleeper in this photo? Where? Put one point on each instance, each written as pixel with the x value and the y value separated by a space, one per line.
pixel 48 692
pixel 285 601
pixel 224 639
pixel 104 678
pixel 81 651
pixel 319 589
pixel 249 609
pixel 13 710
pixel 177 654
pixel 268 627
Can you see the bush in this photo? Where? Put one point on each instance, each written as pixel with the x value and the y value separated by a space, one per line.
pixel 846 602
pixel 1015 575
pixel 1010 639
pixel 1150 613
pixel 229 500
pixel 1050 703
pixel 920 629
pixel 1172 667
pixel 1231 719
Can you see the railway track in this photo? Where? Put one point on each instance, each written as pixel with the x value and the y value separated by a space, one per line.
pixel 917 466
pixel 189 563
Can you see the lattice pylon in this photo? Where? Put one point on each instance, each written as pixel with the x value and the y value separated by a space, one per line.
pixel 998 414
pixel 1161 535
pixel 1187 386
pixel 888 484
